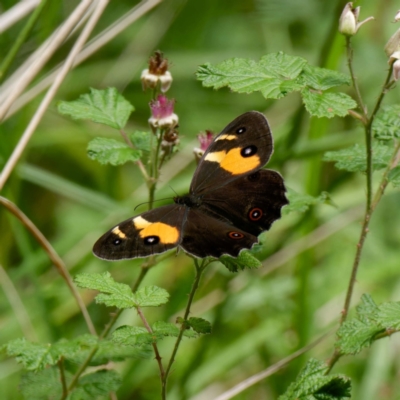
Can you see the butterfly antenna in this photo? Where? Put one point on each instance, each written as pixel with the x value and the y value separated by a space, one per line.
pixel 173 189
pixel 147 202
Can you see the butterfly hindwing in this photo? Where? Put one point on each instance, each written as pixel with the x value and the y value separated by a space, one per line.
pixel 151 232
pixel 205 236
pixel 251 202
pixel 244 146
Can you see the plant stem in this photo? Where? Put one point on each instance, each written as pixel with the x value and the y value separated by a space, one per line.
pixel 349 51
pixel 199 271
pixel 154 344
pixel 62 377
pixel 370 205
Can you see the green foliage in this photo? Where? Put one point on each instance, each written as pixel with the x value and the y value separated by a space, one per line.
pixel 199 325
pixel 141 140
pixel 110 151
pixel 36 357
pixel 386 125
pixel 33 356
pixel 99 383
pixel 313 384
pixel 46 384
pixel 302 202
pixel 275 75
pixel 278 74
pixel 327 104
pixel 355 159
pixel 371 320
pixel 114 294
pixel 244 260
pixel 41 385
pixel 106 107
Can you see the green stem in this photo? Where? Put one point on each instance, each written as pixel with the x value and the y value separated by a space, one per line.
pixel 199 271
pixel 360 102
pixel 20 39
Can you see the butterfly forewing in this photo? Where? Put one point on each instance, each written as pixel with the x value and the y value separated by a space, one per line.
pixel 149 233
pixel 244 146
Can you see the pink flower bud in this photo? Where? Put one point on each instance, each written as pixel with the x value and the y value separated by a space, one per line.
pixel 162 113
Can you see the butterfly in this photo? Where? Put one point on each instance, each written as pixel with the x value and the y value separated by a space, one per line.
pixel 230 202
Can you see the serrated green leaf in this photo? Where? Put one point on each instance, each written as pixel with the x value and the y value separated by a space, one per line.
pixel 322 104
pixel 274 75
pixel 141 140
pixel 302 202
pixel 355 159
pixel 110 151
pixel 99 383
pixel 394 176
pixel 358 333
pixel 199 325
pixel 106 107
pixel 321 78
pixel 151 296
pixel 355 335
pixel 113 294
pixel 386 124
pixel 110 351
pixel 166 328
pixel 132 336
pixel 41 385
pixel 33 356
pixel 389 315
pixel 244 260
pixel 313 384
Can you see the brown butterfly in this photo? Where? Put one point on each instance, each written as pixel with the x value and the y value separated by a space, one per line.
pixel 230 202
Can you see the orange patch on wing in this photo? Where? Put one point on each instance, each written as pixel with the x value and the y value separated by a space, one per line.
pixel 226 136
pixel 167 233
pixel 236 164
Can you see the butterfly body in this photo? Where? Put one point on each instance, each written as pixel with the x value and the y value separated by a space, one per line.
pixel 230 202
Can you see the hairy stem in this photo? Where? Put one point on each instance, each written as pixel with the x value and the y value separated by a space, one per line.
pixel 154 344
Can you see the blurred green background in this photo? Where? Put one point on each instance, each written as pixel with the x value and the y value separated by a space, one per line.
pixel 258 317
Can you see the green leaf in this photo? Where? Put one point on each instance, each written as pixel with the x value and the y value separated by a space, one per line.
pixel 199 325
pixel 322 79
pixel 151 296
pixel 170 329
pixel 99 383
pixel 302 202
pixel 389 315
pixel 313 384
pixel 394 176
pixel 33 356
pixel 113 294
pixel 41 385
pixel 132 336
pixel 106 107
pixel 141 140
pixel 321 104
pixel 110 151
pixel 274 75
pixel 244 260
pixel 358 333
pixel 386 125
pixel 355 159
